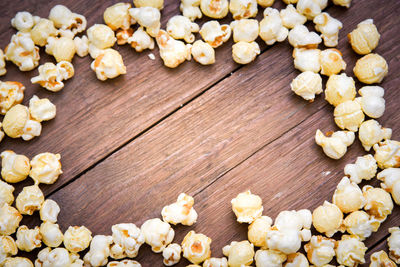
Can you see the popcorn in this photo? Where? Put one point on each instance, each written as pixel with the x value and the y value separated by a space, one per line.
pixel 327 219
pixel 311 8
pixel 124 263
pixel 216 262
pixel 215 34
pixel 307 84
pixel 22 52
pixel 203 53
pixel 379 204
pixel 349 115
pixel 99 251
pixel 363 169
pixel 335 146
pixel 42 31
pixel 339 89
pixel 117 16
pixel 393 243
pixel 41 109
pixel 371 133
pixel 290 1
pixel 172 254
pixel 387 154
pixel 391 182
pixel 348 196
pixel 361 224
pixel 371 68
pixel 243 9
pixel 46 167
pixel 11 93
pixel 245 30
pixel 77 238
pixel 180 27
pixel 159 4
pixel 380 258
pixel 300 37
pixel 191 9
pixel 6 193
pixel 63 48
pixel 365 37
pixel 157 234
pixel 140 40
pixel 350 251
pixel 9 219
pixel 345 3
pixel 181 211
pixel 320 250
pixel 49 211
pixel 296 260
pixel 265 3
pixel 24 21
pixel 247 207
pixel 128 238
pixel 15 168
pixel 291 17
pixel 147 17
pixel 8 248
pixel 269 258
pixel 51 234
pixel 271 27
pixel 329 27
pixel 101 36
pixel 17 262
pixel 173 52
pixel 239 253
pixel 3 70
pixel 68 22
pixel 307 60
pixel 29 200
pixel 59 257
pixel 216 9
pixel 244 52
pixel 258 231
pixel 28 239
pixel 372 101
pixel 108 65
pixel 331 62
pixel 294 220
pixel 196 247
pixel 81 45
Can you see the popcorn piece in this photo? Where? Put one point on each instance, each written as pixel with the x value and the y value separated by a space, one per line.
pixel 51 234
pixel 41 109
pixel 372 101
pixel 81 45
pixel 216 262
pixel 191 9
pixel 157 234
pixel 77 238
pixel 291 17
pixel 300 37
pixel 6 193
pixel 215 34
pixel 24 21
pixel 124 263
pixel 8 248
pixel 3 70
pixel 49 211
pixel 181 211
pixel 345 3
pixel 203 53
pixel 379 204
pixel 17 262
pixel 46 167
pixel 216 9
pixel 140 40
pixel 387 154
pixel 59 257
pixel 42 31
pixel 29 200
pixel 371 68
pixel 258 231
pixel 363 169
pixel 307 60
pixel 244 52
pixel 180 27
pixel 365 37
pixel 243 9
pixel 361 224
pixel 320 250
pixel 63 48
pixel 147 17
pixel 329 27
pixel 348 196
pixel 173 52
pixel 108 65
pixel 380 258
pixel 331 62
pixel 117 16
pixel 22 52
pixel 101 36
pixel 296 259
pixel 15 168
pixel 196 247
pixel 269 258
pixel 371 133
pixel 68 22
pixel 307 85
pixel 311 8
pixel 99 251
pixel 393 243
pixel 28 239
pixel 339 89
pixel 9 219
pixel 32 128
pixel 128 237
pixel 335 146
pixel 327 218
pixel 294 220
pixel 159 4
pixel 271 27
pixel 172 254
pixel 11 93
pixel 239 253
pixel 245 30
pixel 247 207
pixel 51 76
pixel 349 115
pixel 350 251
pixel 265 3
pixel 391 182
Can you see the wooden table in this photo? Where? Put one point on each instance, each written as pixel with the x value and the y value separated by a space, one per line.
pixel 130 145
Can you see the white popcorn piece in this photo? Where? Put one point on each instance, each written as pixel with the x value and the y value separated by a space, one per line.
pixel 173 52
pixel 157 234
pixel 378 204
pixel 244 52
pixel 6 193
pixel 22 52
pixel 216 262
pixel 239 253
pixel 361 224
pixel 59 257
pixel 77 238
pixel 363 169
pixel 243 9
pixel 269 258
pixel 371 133
pixel 307 60
pixel 117 16
pixel 196 247
pixel 41 109
pixel 181 211
pixel 191 9
pixel 15 168
pixel 297 220
pixel 99 251
pixel 349 115
pixel 28 239
pixel 350 251
pixel 29 200
pixel 3 70
pixel 265 3
pixel 327 218
pixel 311 8
pixel 9 219
pixel 62 48
pixel 348 197
pixel 11 93
pixel 49 211
pixel 203 53
pixel 329 28
pixel 339 89
pixel 297 260
pixel 257 231
pixel 101 36
pixel 335 145
pixel 128 238
pixel 291 17
pixel 345 3
pixel 172 254
pixel 159 4
pixel 371 68
pixel 247 207
pixel 245 30
pixel 271 27
pixel 69 23
pixel 307 84
pixel 320 250
pixel 52 76
pixel 147 17
pixel 51 234
pixel 180 27
pixel 82 45
pixel 31 129
pixel 391 182
pixel 372 101
pixel 365 38
pixel 24 21
pixel 42 31
pixel 8 248
pixel 17 262
pixel 216 9
pixel 287 241
pixel 46 168
pixel 300 37
pixel 215 34
pixel 141 40
pixel 124 263
pixel 380 258
pixel 332 62
pixel 387 154
pixel 393 243
pixel 108 65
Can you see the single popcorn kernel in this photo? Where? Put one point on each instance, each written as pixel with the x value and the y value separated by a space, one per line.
pixel 173 52
pixel 99 251
pixel 216 262
pixel 335 146
pixel 300 37
pixel 6 193
pixel 196 247
pixel 371 133
pixel 203 53
pixel 244 52
pixel 311 8
pixel 157 234
pixel 82 45
pixel 191 9
pixel 117 16
pixel 327 218
pixel 216 9
pixel 361 224
pixel 320 250
pixel 269 257
pixel 393 243
pixel 243 9
pixel 307 60
pixel 63 48
pixel 46 167
pixel 348 115
pixel 239 253
pixel 307 84
pixel 108 65
pixel 271 27
pixel 147 17
pixel 11 93
pixel 69 23
pixel 363 169
pixel 380 258
pixel 41 109
pixel 247 207
pixel 172 254
pixel 159 4
pixel 22 52
pixel 42 31
pixel 258 231
pixel 296 259
pixel 265 3
pixel 391 182
pixel 29 200
pixel 245 30
pixel 14 168
pixel 371 68
pixel 77 238
pixel 372 101
pixel 24 21
pixel 128 238
pixel 291 17
pixel 8 248
pixel 364 38
pixel 387 154
pixel 141 40
pixel 329 27
pixel 124 263
pixel 339 89
pixel 350 251
pixel 348 196
pixel 56 257
pixel 101 36
pixel 3 70
pixel 9 219
pixel 379 204
pixel 215 34
pixel 180 27
pixel 331 62
pixel 345 3
pixel 17 261
pixel 49 211
pixel 181 211
pixel 28 239
pixel 51 234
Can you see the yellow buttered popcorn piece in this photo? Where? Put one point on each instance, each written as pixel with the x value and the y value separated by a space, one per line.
pixel 77 238
pixel 371 68
pixel 117 16
pixel 345 3
pixel 348 197
pixel 15 168
pixel 245 30
pixel 329 28
pixel 8 248
pixel 215 34
pixel 265 3
pixel 257 231
pixel 101 36
pixel 51 234
pixel 141 40
pixel 41 109
pixel 108 65
pixel 350 251
pixel 180 27
pixel 379 203
pixel 216 9
pixel 191 9
pixel 364 168
pixel 17 261
pixel 99 251
pixel 6 193
pixel 371 133
pixel 68 23
pixel 291 17
pixel 320 250
pixel 271 27
pixel 269 257
pixel 391 182
pixel 327 218
pixel 296 260
pixel 196 247
pixel 239 253
pixel 361 224
pixel 28 239
pixel 311 8
pixel 216 262
pixel 29 200
pixel 387 154
pixel 9 219
pixel 181 211
pixel 172 254
pixel 3 70
pixel 11 93
pixel 42 31
pixel 247 207
pixel 393 243
pixel 22 51
pixel 173 52
pixel 339 89
pixel 203 53
pixel 46 168
pixel 365 37
pixel 349 115
pixel 380 258
pixel 157 234
pixel 335 145
pixel 243 9
pixel 307 84
pixel 159 4
pixel 331 62
pixel 62 48
pixel 147 17
pixel 244 52
pixel 123 263
pixel 127 240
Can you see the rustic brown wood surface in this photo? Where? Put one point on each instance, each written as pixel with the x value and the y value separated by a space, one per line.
pixel 129 146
